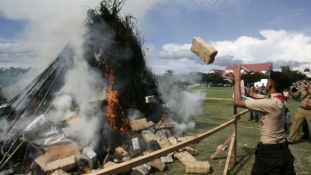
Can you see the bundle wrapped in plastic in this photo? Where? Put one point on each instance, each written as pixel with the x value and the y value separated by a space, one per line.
pixel 43 133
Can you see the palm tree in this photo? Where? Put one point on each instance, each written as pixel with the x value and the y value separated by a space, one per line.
pixel 169 72
pixel 287 70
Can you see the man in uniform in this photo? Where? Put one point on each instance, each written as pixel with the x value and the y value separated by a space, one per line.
pixel 272 154
pixel 303 113
pixel 285 95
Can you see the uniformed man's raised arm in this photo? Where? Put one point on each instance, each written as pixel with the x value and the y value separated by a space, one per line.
pixel 258 96
pixel 294 94
pixel 238 100
pixel 250 93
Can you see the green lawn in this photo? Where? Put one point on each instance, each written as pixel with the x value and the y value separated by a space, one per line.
pixel 215 113
pixel 216 92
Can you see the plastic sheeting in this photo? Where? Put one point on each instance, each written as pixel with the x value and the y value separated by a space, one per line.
pixel 43 133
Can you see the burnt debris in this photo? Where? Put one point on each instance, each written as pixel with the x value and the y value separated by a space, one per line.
pixel 113 49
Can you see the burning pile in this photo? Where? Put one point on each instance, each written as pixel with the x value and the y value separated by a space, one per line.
pixel 70 129
pixel 149 137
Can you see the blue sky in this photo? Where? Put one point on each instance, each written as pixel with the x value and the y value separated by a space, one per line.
pixel 243 31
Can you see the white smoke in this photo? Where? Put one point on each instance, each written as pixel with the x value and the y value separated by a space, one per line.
pixel 20 83
pixel 46 35
pixel 6 131
pixel 89 130
pixel 61 111
pixel 183 103
pixel 4 125
pixel 134 114
pixel 86 88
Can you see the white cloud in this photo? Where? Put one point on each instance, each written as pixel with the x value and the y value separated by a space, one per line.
pixel 276 45
pixel 13 54
pixel 138 9
pixel 176 51
pixel 208 4
pixel 293 49
pixel 179 54
pixel 176 47
pixel 49 25
pixel 12 47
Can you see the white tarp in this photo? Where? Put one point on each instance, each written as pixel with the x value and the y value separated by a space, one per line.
pixel 42 133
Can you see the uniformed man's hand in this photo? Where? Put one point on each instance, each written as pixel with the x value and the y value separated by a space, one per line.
pixel 228 76
pixel 249 92
pixel 238 72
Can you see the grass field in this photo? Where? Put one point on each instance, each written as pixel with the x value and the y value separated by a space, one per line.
pixel 215 113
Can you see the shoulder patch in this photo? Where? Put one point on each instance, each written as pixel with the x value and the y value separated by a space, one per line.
pixel 261 123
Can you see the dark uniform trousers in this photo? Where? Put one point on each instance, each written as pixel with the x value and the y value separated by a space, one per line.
pixel 273 159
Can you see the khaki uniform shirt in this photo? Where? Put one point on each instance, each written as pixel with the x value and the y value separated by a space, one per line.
pixel 271 112
pixel 302 93
pixel 285 93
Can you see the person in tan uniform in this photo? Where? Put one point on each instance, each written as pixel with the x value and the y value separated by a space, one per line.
pixel 272 155
pixel 303 112
pixel 285 94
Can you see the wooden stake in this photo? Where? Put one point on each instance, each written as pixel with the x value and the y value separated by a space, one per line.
pixel 229 155
pixel 13 123
pixel 222 146
pixel 6 161
pixel 124 166
pixel 7 153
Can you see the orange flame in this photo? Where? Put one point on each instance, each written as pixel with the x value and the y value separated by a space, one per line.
pixel 163 117
pixel 113 106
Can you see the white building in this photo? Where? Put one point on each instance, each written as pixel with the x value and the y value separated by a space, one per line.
pixel 259 83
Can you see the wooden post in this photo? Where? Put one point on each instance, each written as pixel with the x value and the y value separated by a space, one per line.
pixel 235 132
pixel 231 148
pixel 125 166
pixel 222 146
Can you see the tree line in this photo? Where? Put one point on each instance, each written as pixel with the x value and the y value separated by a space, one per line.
pixel 249 77
pixel 9 76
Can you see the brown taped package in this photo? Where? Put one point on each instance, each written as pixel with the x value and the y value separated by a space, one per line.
pixel 157 164
pixel 203 50
pixel 61 151
pixel 192 151
pixel 139 124
pixel 185 157
pixel 199 167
